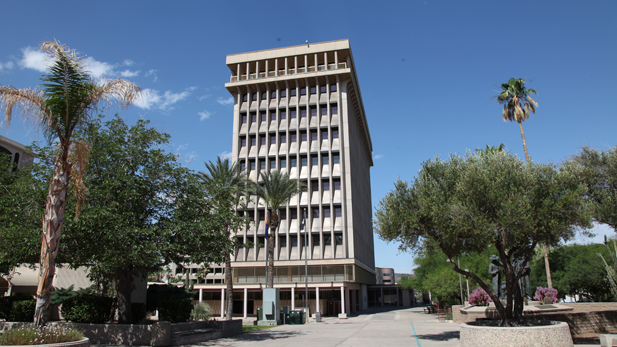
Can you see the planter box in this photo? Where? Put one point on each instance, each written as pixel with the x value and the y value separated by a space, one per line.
pixel 85 342
pixel 553 334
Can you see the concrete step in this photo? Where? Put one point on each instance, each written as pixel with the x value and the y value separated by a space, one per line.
pixel 184 337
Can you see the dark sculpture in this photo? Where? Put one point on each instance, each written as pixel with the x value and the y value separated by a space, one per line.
pixel 495 271
pixel 523 282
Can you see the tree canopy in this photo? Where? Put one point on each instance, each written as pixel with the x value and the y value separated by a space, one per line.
pixel 463 205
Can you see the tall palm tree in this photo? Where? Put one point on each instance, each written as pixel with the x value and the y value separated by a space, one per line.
pixel 517 105
pixel 232 182
pixel 276 191
pixel 68 100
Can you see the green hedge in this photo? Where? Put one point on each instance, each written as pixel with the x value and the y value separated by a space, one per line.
pixel 17 309
pixel 175 311
pixel 160 292
pixel 88 308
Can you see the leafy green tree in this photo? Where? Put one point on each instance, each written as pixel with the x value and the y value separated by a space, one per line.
pixel 275 191
pixel 66 103
pixel 600 169
pixel 143 211
pixel 231 183
pixel 465 204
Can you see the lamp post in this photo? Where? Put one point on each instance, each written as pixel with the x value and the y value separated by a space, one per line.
pixel 467 280
pixel 303 227
pixel 460 281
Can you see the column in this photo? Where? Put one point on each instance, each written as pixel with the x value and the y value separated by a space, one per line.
pixel 246 292
pixel 222 302
pixel 397 301
pixel 317 298
pixel 293 298
pixel 347 300
pixel 342 299
pixel 201 294
pixel 381 295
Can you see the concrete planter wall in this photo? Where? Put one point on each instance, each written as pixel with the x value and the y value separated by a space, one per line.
pixel 555 334
pixel 85 342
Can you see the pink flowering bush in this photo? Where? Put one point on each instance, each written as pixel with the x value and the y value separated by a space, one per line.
pixel 30 335
pixel 546 293
pixel 479 297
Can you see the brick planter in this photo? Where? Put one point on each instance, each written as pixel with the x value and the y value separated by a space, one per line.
pixel 85 342
pixel 553 334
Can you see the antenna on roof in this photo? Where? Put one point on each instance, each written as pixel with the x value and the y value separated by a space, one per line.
pixel 307 45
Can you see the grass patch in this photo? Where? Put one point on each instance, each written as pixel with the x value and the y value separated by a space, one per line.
pixel 253 328
pixel 39 335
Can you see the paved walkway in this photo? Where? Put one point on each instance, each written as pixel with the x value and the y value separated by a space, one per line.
pixel 374 327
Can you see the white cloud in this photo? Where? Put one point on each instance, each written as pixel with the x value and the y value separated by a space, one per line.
pixel 378 156
pixel 128 62
pixel 182 147
pixel 204 115
pixel 225 155
pixel 6 66
pixel 34 59
pixel 151 98
pixel 225 101
pixel 98 69
pixel 203 97
pixel 152 73
pixel 129 73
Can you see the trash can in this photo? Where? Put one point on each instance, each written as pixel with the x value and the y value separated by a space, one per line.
pixel 260 313
pixel 296 317
pixel 317 317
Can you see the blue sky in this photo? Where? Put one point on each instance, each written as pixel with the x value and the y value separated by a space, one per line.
pixel 427 70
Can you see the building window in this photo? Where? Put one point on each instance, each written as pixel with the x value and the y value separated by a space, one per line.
pixel 313 112
pixel 304 161
pixel 313 135
pixel 292 92
pixel 252 165
pixel 242 165
pixel 302 113
pixel 283 93
pixel 315 212
pixel 335 133
pixel 335 159
pixel 303 91
pixel 283 164
pixel 337 212
pixel 243 142
pixel 294 241
pixel 324 111
pixel 262 165
pixel 262 117
pixel 292 113
pixel 254 117
pixel 324 134
pixel 272 164
pixel 264 95
pixel 273 116
pixel 253 141
pixel 337 185
pixel 244 119
pixel 273 95
pixel 334 109
pixel 313 90
pixel 339 239
pixel 323 89
pixel 333 87
pixel 261 242
pixel 293 137
pixel 326 186
pixel 316 240
pixel 244 97
pixel 283 114
pixel 283 138
pixel 273 139
pixel 293 213
pixel 325 160
pixel 294 162
pixel 262 140
pixel 314 160
pixel 314 186
pixel 327 239
pixel 303 136
pixel 254 97
pixel 283 214
pixel 326 212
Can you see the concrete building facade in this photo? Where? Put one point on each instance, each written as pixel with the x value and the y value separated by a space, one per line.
pixel 299 110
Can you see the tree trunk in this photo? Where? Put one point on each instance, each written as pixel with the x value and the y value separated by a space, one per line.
pixel 271 238
pixel 230 287
pixel 124 289
pixel 544 246
pixel 50 239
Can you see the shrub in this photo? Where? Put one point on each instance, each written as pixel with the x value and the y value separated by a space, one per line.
pixel 546 293
pixel 59 295
pixel 175 311
pixel 202 311
pixel 138 310
pixel 479 297
pixel 87 308
pixel 40 335
pixel 23 310
pixel 160 292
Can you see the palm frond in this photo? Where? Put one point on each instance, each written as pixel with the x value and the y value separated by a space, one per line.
pixel 79 153
pixel 29 103
pixel 277 189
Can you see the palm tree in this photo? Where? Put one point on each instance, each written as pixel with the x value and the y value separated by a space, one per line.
pixel 489 150
pixel 67 102
pixel 231 181
pixel 517 105
pixel 276 191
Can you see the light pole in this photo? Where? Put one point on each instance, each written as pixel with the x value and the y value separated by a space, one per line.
pixel 467 280
pixel 303 227
pixel 460 281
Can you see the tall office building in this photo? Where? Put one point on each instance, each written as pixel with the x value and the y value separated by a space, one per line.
pixel 299 110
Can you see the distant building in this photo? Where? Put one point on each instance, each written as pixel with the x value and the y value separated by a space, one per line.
pixel 18 153
pixel 386 292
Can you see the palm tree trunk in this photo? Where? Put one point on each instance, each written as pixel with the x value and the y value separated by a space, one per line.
pixel 230 287
pixel 52 230
pixel 544 246
pixel 274 225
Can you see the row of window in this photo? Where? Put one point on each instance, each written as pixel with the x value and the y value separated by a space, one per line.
pixel 293 162
pixel 293 240
pixel 292 92
pixel 263 116
pixel 293 137
pixel 314 212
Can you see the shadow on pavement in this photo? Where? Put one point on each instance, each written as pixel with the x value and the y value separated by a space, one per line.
pixel 262 335
pixel 445 336
pixel 586 340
